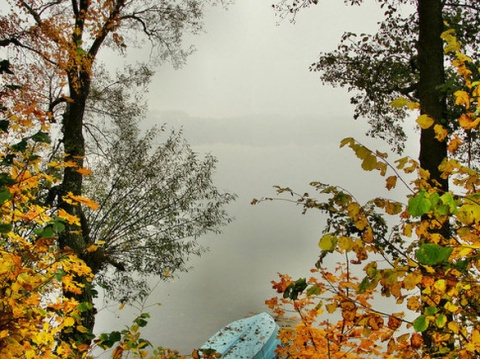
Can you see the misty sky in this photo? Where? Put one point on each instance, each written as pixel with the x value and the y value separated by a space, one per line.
pixel 246 96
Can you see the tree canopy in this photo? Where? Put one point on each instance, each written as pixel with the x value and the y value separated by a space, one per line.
pixel 419 254
pixel 156 197
pixel 382 67
pixel 66 95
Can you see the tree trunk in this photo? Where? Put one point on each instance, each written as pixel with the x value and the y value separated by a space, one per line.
pixel 75 238
pixel 432 103
pixel 432 77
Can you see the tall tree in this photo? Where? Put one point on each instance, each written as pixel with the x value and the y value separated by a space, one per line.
pixel 391 64
pixel 429 281
pixel 61 41
pixel 35 275
pixel 431 95
pixel 156 197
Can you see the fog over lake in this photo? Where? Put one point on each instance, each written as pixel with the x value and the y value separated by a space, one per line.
pixel 246 96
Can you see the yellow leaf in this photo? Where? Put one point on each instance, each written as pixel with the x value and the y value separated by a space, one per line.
pixel 440 132
pixel 71 219
pixel 463 57
pixel 347 141
pixel 399 102
pixel 382 167
pixel 353 209
pixel 381 154
pixel 475 340
pixel 70 164
pixel 412 105
pixel 369 163
pixel 68 322
pixel 117 353
pixel 454 327
pixel 466 122
pixel 462 98
pixel 393 208
pixel 83 347
pixel 345 243
pixel 82 329
pixel 407 230
pixel 451 307
pixel 402 162
pixel 440 286
pixel 411 280
pixel 331 307
pixel 91 248
pixel 425 121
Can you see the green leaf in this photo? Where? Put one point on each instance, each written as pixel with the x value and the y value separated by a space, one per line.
pixel 5 227
pixel 43 137
pixel 59 274
pixel 313 290
pixel 5 67
pixel 58 225
pixel 364 285
pixel 419 204
pixel 4 125
pixel 431 310
pixel 115 336
pixel 420 324
pixel 14 87
pixel 449 201
pixel 431 254
pixel 441 320
pixel 20 146
pixel 5 195
pixel 8 159
pixel 462 265
pixel 5 179
pixel 141 322
pixel 47 232
pixel 84 307
pixel 294 289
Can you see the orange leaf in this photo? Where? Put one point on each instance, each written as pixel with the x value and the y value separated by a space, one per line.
pixel 70 198
pixel 117 353
pixel 391 182
pixel 84 171
pixel 454 143
pixel 394 323
pixel 413 303
pixel 416 340
pixel 466 122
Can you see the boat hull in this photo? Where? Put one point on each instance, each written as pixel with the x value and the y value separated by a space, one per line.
pixel 249 338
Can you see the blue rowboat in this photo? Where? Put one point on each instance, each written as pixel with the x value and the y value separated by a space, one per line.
pixel 249 338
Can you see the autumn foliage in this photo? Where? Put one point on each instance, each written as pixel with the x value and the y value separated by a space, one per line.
pixel 406 279
pixel 34 272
